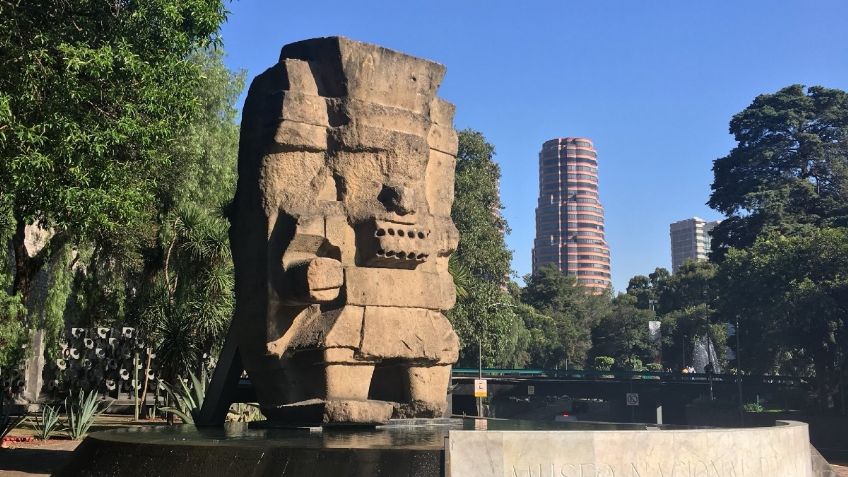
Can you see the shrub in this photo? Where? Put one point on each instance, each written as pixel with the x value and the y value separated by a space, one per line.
pixel 603 363
pixel 654 367
pixel 753 407
pixel 632 363
pixel 244 412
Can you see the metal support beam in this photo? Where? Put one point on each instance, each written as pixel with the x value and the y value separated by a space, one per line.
pixel 222 391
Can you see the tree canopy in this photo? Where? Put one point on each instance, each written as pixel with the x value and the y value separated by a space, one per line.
pixel 484 314
pixel 789 169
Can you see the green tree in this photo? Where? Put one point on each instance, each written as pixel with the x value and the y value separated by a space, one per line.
pixel 623 333
pixel 89 110
pixel 12 333
pixel 692 285
pixel 185 283
pixel 94 97
pixel 646 289
pixel 564 315
pixel 484 316
pixel 477 210
pixel 789 169
pixel 790 295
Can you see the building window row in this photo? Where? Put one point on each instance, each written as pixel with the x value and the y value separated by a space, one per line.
pixel 593 265
pixel 583 160
pixel 594 273
pixel 586 241
pixel 587 185
pixel 596 218
pixel 584 200
pixel 593 170
pixel 587 233
pixel 584 225
pixel 592 250
pixel 579 150
pixel 585 208
pixel 582 177
pixel 592 257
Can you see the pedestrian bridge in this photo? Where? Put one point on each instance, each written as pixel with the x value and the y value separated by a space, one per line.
pixel 672 390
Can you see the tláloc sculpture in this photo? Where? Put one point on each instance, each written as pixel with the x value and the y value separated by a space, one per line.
pixel 341 233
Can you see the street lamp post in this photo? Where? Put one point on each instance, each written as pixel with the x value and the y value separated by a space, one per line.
pixel 480 352
pixel 710 364
pixel 739 374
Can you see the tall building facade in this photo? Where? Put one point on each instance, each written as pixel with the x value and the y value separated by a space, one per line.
pixel 690 240
pixel 569 215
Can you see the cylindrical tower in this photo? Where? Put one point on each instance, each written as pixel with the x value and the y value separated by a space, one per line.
pixel 569 215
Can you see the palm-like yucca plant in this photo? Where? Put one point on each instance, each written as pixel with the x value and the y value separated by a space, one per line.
pixel 82 412
pixel 187 398
pixel 47 422
pixel 188 306
pixel 461 277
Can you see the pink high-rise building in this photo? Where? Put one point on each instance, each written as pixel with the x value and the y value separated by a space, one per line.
pixel 569 215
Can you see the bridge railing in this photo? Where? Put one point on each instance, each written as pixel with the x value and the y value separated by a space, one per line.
pixel 619 375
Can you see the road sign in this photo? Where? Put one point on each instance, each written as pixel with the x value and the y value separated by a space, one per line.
pixel 531 390
pixel 632 399
pixel 480 388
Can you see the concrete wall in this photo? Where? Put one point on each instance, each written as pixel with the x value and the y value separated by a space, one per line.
pixel 780 451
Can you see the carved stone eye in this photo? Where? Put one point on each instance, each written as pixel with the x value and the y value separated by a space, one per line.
pixel 397 199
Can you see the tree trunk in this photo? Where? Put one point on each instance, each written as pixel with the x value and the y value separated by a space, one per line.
pixel 25 266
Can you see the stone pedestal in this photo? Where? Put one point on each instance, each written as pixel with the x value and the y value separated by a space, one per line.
pixel 34 366
pixel 780 451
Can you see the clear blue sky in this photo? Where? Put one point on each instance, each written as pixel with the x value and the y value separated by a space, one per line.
pixel 653 83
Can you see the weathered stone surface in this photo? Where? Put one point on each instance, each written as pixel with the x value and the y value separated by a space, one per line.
pixel 408 333
pixel 341 233
pixel 780 451
pixel 333 412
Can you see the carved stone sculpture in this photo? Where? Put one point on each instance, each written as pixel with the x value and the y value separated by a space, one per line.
pixel 341 234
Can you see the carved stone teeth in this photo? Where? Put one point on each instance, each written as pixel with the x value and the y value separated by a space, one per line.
pixel 420 234
pixel 380 232
pixel 421 256
pixel 391 232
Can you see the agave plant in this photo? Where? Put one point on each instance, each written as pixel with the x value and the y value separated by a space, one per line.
pixel 82 412
pixel 187 398
pixel 47 423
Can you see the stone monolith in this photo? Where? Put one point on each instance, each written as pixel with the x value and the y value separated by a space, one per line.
pixel 341 233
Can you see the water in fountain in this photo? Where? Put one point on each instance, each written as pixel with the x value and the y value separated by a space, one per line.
pixel 701 355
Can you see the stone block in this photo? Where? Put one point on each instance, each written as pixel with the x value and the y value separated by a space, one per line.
pixel 399 288
pixel 412 333
pixel 780 451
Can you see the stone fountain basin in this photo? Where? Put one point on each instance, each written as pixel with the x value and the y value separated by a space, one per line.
pixel 448 447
